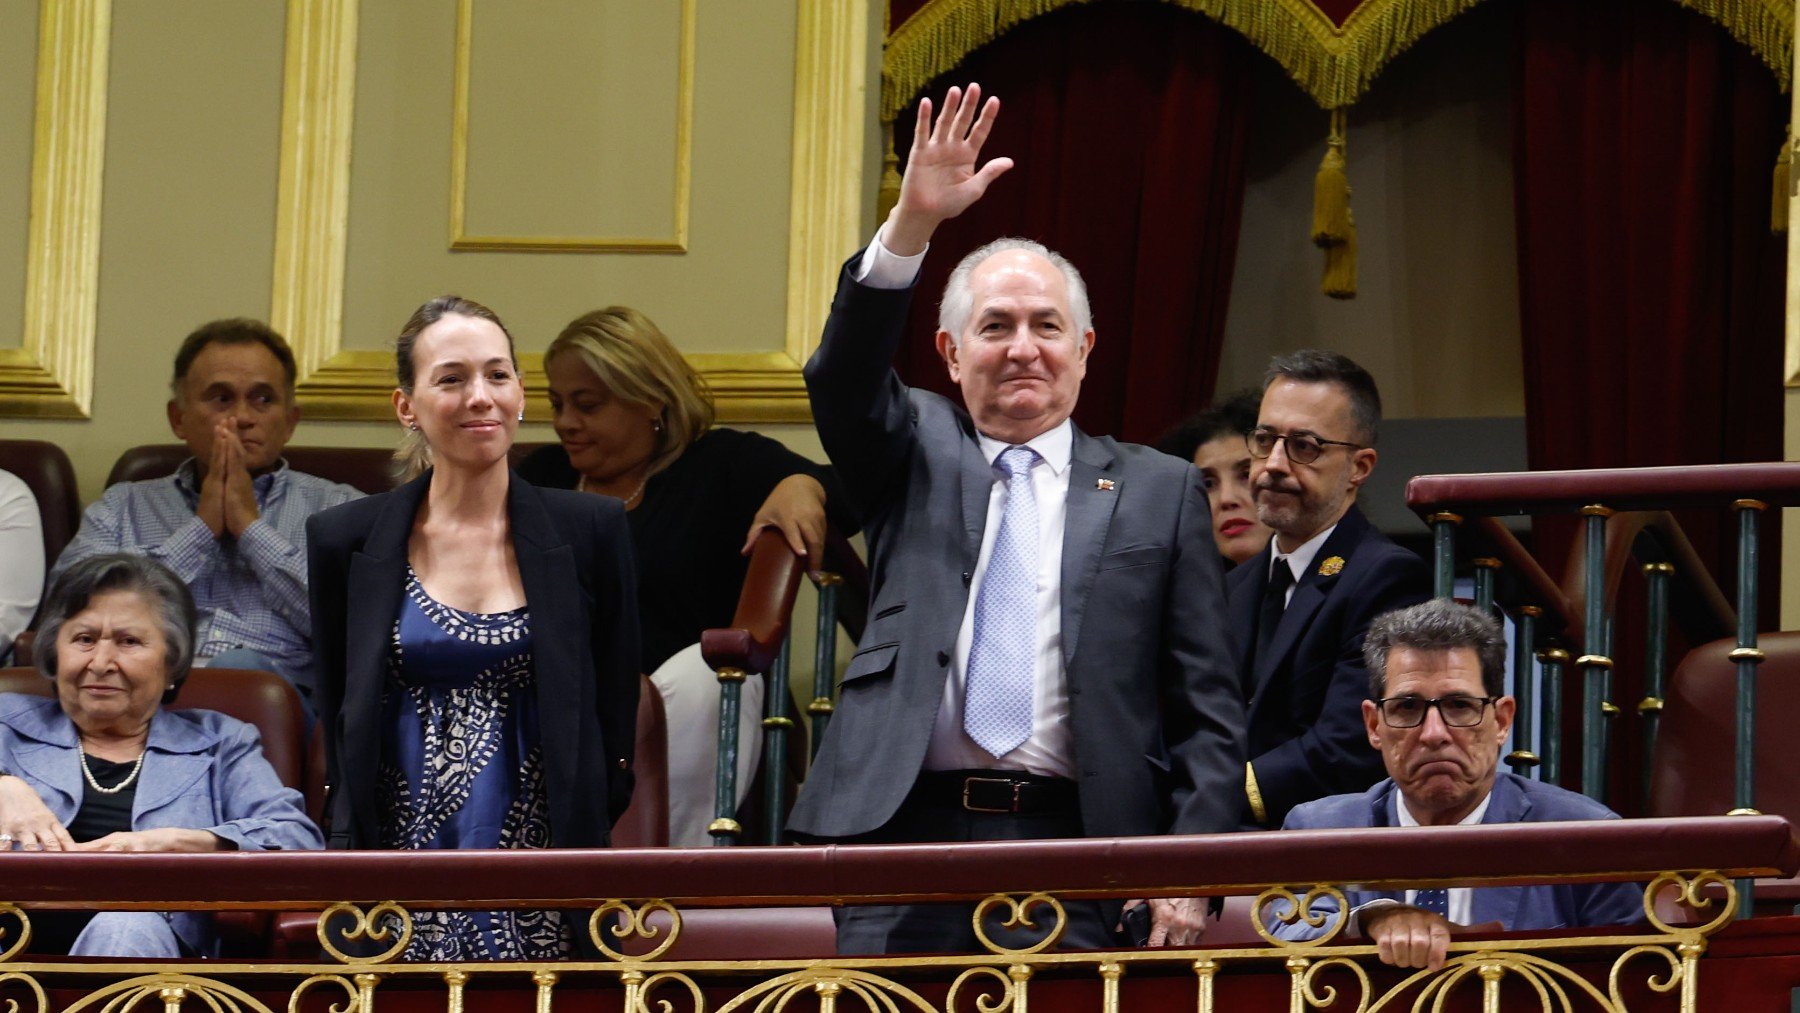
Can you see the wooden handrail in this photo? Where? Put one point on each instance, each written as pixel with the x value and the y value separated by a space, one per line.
pixel 1216 864
pixel 1776 483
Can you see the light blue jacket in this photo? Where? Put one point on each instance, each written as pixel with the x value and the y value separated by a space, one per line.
pixel 202 771
pixel 1516 908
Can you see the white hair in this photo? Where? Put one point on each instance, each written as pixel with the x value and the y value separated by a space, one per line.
pixel 958 304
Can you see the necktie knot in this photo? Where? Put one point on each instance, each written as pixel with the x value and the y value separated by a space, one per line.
pixel 1017 461
pixel 1282 577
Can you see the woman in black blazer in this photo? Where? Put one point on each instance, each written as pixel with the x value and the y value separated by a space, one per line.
pixel 475 641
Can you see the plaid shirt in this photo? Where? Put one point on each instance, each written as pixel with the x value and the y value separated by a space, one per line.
pixel 251 591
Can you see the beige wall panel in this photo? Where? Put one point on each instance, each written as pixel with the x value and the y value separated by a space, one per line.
pixel 192 129
pixel 18 69
pixel 727 294
pixel 575 118
pixel 1436 316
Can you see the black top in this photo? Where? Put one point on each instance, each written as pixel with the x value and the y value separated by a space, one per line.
pixel 54 932
pixel 688 529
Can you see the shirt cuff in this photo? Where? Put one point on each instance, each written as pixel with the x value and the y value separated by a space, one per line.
pixel 881 267
pixel 1353 925
pixel 189 550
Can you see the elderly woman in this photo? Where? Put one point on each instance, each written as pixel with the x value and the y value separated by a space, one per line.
pixel 636 424
pixel 102 766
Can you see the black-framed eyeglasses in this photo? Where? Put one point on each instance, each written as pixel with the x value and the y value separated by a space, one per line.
pixel 1302 448
pixel 1459 710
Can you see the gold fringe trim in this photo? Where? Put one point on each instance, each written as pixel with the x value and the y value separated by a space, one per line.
pixel 1335 65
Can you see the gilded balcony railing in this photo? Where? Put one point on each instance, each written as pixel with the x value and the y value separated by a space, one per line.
pixel 640 904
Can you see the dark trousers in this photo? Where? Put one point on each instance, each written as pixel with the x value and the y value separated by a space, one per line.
pixel 933 816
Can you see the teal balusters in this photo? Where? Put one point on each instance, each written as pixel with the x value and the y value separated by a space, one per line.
pixel 1525 676
pixel 776 726
pixel 1595 664
pixel 1656 662
pixel 824 659
pixel 1747 656
pixel 1443 552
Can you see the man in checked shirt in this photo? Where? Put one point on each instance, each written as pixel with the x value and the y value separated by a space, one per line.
pixel 232 519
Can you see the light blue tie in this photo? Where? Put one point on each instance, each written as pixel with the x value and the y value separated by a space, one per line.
pixel 997 709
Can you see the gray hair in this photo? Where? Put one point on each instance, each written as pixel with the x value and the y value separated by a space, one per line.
pixel 958 304
pixel 1437 625
pixel 150 580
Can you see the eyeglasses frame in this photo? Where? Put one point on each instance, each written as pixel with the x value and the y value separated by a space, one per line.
pixel 1250 444
pixel 1436 703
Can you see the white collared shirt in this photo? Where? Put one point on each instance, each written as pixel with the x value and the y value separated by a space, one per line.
pixel 1050 749
pixel 1459 901
pixel 1300 560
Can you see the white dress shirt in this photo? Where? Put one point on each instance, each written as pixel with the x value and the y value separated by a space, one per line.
pixel 1459 899
pixel 1300 560
pixel 21 559
pixel 1050 749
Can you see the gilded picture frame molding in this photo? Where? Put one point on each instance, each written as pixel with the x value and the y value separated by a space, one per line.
pixel 681 184
pixel 51 373
pixel 825 215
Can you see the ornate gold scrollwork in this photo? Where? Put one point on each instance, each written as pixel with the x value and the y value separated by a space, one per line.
pixel 1299 909
pixel 1690 891
pixel 373 925
pixel 877 994
pixel 24 934
pixel 1320 999
pixel 634 923
pixel 37 990
pixel 170 989
pixel 352 998
pixel 1005 999
pixel 1019 916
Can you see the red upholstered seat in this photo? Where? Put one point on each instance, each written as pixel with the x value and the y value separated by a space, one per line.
pixel 1696 746
pixel 370 469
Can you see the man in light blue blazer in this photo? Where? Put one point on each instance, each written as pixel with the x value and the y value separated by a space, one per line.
pixel 1439 715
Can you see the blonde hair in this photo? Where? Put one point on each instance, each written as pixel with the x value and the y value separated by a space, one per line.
pixel 638 364
pixel 413 455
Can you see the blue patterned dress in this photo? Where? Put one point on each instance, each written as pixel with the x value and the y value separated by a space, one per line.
pixel 462 767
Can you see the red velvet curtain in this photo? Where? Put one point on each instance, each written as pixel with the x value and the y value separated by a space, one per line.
pixel 1650 286
pixel 1128 123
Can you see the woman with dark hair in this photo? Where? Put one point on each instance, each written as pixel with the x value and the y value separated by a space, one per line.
pixel 102 767
pixel 1215 441
pixel 476 640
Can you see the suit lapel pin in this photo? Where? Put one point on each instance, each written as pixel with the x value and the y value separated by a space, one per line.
pixel 1104 484
pixel 1332 566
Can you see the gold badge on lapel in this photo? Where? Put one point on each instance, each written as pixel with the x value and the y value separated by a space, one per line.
pixel 1104 484
pixel 1332 566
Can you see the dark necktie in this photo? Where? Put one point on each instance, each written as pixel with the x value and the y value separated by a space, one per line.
pixel 1435 901
pixel 1274 603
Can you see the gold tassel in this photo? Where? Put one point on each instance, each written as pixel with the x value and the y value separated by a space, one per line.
pixel 1782 190
pixel 889 194
pixel 1340 267
pixel 1331 189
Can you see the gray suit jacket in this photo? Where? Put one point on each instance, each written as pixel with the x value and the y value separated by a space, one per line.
pixel 1516 908
pixel 1154 701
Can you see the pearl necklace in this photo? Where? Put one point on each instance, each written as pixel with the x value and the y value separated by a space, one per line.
pixel 582 486
pixel 115 789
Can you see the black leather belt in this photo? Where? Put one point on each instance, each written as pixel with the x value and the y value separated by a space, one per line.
pixel 994 791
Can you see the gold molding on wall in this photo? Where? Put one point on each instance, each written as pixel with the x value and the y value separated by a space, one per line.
pixel 824 217
pixel 51 374
pixel 312 204
pixel 459 158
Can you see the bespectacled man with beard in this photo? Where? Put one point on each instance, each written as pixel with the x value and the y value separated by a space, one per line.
pixel 1439 715
pixel 1300 608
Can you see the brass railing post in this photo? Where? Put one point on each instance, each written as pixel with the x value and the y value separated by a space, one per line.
pixel 1522 759
pixel 725 828
pixel 776 726
pixel 1443 552
pixel 1747 656
pixel 1594 664
pixel 1656 662
pixel 824 660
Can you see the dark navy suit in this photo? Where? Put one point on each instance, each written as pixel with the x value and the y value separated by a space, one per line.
pixel 1306 737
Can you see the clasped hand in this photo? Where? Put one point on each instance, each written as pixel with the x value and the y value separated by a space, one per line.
pixel 227 495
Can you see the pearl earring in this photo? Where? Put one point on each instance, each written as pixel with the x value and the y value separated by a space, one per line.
pixel 414 426
pixel 521 415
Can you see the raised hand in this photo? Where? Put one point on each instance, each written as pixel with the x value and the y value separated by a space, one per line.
pixel 211 507
pixel 240 490
pixel 942 179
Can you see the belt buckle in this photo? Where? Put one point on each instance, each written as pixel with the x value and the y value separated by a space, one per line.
pixel 972 807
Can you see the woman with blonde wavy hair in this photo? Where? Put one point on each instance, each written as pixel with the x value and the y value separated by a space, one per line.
pixel 635 422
